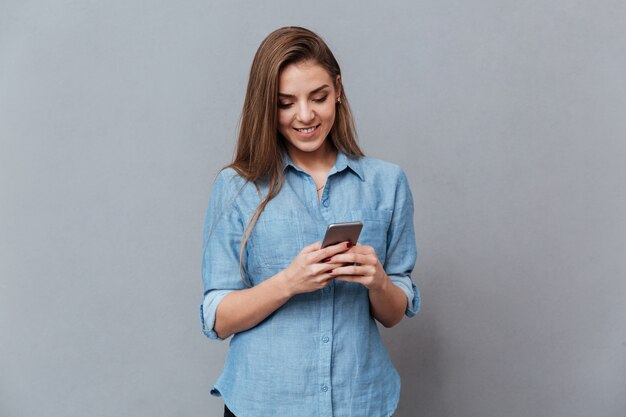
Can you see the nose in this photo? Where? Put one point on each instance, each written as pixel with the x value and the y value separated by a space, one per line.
pixel 305 113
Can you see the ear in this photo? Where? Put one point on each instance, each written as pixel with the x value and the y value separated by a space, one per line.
pixel 338 86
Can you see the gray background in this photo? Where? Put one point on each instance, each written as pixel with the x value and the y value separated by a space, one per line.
pixel 509 118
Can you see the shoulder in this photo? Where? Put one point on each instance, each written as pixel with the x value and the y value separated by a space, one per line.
pixel 231 189
pixel 387 180
pixel 227 187
pixel 228 176
pixel 378 169
pixel 228 181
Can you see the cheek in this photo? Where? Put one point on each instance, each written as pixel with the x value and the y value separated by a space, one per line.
pixel 284 121
pixel 328 114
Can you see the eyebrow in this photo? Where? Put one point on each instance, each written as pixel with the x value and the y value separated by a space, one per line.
pixel 317 90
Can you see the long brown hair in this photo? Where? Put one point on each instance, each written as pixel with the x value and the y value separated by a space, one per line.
pixel 259 153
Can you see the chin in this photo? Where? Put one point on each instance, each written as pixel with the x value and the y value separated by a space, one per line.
pixel 307 146
pixel 304 145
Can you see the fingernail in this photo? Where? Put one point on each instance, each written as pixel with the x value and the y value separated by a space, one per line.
pixel 326 260
pixel 350 244
pixel 331 271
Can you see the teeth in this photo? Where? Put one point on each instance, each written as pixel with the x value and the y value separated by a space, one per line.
pixel 309 130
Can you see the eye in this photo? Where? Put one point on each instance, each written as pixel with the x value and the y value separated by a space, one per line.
pixel 283 105
pixel 321 99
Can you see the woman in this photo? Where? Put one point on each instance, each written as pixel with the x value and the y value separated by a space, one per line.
pixel 303 318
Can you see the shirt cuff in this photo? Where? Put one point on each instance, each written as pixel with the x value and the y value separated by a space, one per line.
pixel 208 309
pixel 411 291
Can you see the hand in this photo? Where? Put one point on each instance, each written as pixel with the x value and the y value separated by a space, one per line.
pixel 310 269
pixel 360 264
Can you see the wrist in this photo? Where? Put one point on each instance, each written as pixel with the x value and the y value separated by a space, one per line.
pixel 383 284
pixel 280 283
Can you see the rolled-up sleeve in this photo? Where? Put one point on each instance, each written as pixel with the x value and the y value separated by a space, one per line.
pixel 223 233
pixel 401 247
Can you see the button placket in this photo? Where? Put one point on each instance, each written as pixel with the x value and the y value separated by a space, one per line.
pixel 326 320
pixel 325 349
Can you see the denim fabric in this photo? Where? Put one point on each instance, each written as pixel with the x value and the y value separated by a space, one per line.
pixel 320 354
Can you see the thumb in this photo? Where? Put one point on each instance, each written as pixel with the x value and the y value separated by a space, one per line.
pixel 312 247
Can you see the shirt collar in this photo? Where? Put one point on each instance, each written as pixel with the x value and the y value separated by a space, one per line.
pixel 341 163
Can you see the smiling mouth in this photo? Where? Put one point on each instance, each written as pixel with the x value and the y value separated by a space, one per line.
pixel 306 129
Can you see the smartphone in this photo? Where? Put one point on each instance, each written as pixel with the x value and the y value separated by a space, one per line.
pixel 342 232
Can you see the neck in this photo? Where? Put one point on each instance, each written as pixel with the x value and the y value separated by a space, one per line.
pixel 321 159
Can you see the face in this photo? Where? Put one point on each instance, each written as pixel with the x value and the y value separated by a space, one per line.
pixel 306 106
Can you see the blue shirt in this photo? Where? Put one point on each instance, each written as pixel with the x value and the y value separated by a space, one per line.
pixel 320 354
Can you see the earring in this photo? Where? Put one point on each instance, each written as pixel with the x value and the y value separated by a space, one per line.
pixel 338 100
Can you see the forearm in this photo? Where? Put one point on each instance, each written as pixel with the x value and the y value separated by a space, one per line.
pixel 388 303
pixel 243 309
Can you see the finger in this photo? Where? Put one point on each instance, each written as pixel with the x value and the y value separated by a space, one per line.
pixel 312 247
pixel 326 282
pixel 362 249
pixel 354 258
pixel 324 268
pixel 354 270
pixel 349 278
pixel 330 251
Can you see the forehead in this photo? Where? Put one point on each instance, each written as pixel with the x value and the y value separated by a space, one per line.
pixel 303 77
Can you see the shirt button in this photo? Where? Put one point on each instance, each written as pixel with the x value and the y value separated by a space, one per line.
pixel 325 203
pixel 324 388
pixel 325 339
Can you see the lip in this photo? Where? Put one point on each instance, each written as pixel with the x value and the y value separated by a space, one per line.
pixel 307 135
